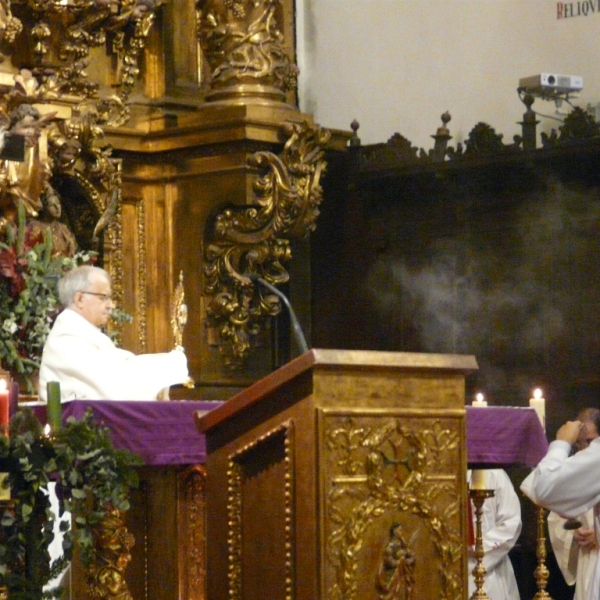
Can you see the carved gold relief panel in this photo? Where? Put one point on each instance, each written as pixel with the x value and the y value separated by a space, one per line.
pixel 391 488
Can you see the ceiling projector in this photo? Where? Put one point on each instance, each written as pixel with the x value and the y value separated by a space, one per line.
pixel 551 83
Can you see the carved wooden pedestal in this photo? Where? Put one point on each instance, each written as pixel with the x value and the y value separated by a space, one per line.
pixel 167 521
pixel 341 476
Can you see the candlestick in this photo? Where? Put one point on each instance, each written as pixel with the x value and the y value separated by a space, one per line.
pixel 539 404
pixel 479 572
pixel 478 479
pixel 3 407
pixel 54 408
pixel 479 401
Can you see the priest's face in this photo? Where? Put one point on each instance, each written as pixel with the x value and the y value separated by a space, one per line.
pixel 95 303
pixel 588 434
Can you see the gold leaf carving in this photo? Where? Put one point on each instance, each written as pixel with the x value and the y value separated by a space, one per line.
pixel 383 474
pixel 252 239
pixel 243 44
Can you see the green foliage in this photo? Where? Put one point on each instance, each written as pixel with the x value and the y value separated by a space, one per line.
pixel 91 476
pixel 28 298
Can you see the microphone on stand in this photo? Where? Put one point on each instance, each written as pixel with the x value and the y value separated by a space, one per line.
pixel 298 334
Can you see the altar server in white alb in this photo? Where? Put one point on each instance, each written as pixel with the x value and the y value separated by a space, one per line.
pixel 86 362
pixel 576 550
pixel 501 527
pixel 569 485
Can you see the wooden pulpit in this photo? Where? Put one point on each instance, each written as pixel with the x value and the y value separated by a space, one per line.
pixel 340 476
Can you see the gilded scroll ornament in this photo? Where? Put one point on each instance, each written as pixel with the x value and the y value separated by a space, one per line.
pixel 60 59
pixel 253 239
pixel 243 44
pixel 388 492
pixel 106 575
pixel 10 26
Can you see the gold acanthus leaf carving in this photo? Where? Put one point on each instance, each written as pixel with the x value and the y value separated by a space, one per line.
pixel 60 59
pixel 243 43
pixel 253 240
pixel 398 468
pixel 106 575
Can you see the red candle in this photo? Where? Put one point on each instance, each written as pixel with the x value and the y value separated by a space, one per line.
pixel 3 407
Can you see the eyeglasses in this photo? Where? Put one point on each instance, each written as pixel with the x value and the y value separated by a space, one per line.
pixel 103 297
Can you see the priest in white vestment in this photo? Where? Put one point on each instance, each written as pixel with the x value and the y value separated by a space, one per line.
pixel 576 560
pixel 86 362
pixel 501 527
pixel 576 550
pixel 569 485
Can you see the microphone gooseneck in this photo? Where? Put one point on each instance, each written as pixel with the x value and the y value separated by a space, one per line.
pixel 298 334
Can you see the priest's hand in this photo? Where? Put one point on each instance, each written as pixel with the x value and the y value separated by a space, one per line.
pixel 586 538
pixel 569 432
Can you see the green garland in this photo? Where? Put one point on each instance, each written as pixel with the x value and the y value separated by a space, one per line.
pixel 91 477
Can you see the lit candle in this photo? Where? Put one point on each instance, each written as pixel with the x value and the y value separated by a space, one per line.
pixel 539 404
pixel 479 401
pixel 53 407
pixel 478 479
pixel 3 407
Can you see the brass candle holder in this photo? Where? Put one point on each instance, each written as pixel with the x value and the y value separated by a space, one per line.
pixel 478 497
pixel 541 572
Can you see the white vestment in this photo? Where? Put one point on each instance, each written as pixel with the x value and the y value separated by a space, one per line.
pixel 501 526
pixel 89 366
pixel 570 486
pixel 576 563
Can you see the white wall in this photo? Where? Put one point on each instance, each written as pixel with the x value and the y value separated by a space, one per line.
pixel 397 65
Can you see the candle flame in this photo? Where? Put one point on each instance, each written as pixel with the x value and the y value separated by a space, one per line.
pixel 47 430
pixel 479 397
pixel 537 393
pixel 3 385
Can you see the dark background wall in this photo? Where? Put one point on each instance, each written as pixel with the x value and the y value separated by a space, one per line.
pixel 496 257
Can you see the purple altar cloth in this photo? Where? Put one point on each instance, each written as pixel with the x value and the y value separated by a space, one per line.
pixel 162 433
pixel 502 435
pixel 165 433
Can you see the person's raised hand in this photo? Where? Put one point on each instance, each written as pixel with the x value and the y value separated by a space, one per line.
pixel 569 432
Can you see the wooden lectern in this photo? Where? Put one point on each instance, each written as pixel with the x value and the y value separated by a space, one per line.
pixel 340 476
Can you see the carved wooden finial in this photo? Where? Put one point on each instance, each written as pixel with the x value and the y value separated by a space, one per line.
pixel 354 140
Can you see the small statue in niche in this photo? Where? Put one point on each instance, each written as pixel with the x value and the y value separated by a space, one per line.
pixel 23 180
pixel 395 577
pixel 66 151
pixel 63 240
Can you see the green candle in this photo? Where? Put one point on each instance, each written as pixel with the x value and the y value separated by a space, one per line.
pixel 53 405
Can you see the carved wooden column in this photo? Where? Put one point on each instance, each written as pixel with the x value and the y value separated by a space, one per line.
pixel 221 186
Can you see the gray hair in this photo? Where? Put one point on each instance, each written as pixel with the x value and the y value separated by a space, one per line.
pixel 76 280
